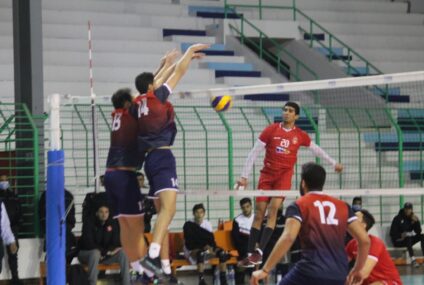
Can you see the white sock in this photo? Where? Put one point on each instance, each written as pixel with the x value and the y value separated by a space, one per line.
pixel 137 267
pixel 166 266
pixel 154 250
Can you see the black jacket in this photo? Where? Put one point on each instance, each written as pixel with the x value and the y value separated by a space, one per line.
pixel 102 237
pixel 13 207
pixel 196 237
pixel 401 224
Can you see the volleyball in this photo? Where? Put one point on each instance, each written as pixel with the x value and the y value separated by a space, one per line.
pixel 221 103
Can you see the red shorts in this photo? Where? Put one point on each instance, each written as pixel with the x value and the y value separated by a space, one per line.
pixel 385 282
pixel 270 180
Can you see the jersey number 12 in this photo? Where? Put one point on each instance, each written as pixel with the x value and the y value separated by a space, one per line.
pixel 329 219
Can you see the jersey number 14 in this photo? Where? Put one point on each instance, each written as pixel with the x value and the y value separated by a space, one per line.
pixel 327 219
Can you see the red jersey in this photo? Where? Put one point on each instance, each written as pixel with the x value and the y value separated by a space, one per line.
pixel 155 115
pixel 324 224
pixel 282 146
pixel 123 140
pixel 385 269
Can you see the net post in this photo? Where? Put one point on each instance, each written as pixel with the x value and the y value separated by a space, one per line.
pixel 55 200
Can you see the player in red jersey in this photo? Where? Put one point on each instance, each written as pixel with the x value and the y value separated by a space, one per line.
pixel 320 221
pixel 281 142
pixel 121 180
pixel 156 134
pixel 379 268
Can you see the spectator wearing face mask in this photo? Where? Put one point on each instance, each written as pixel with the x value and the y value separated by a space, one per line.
pixel 13 209
pixel 357 204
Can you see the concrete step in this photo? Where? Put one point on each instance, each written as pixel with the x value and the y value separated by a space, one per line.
pixel 369 29
pixel 387 42
pixel 240 81
pixel 191 39
pixel 117 7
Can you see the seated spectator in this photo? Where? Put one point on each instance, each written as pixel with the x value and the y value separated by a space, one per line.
pixel 199 245
pixel 100 243
pixel 13 208
pixel 379 267
pixel 405 231
pixel 7 237
pixel 240 235
pixel 357 203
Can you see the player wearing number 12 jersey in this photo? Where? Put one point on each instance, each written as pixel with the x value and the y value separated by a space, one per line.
pixel 320 221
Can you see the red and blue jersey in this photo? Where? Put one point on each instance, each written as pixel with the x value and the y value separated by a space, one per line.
pixel 155 117
pixel 324 222
pixel 123 140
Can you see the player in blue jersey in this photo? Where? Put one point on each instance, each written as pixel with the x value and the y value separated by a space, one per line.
pixel 321 222
pixel 156 134
pixel 121 179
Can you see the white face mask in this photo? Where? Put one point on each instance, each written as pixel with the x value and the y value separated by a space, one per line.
pixel 4 185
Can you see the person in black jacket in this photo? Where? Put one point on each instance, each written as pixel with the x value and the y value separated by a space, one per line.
pixel 13 208
pixel 240 235
pixel 199 244
pixel 405 231
pixel 100 243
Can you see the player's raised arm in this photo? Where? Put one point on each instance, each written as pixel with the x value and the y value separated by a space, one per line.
pixel 167 68
pixel 184 63
pixel 319 152
pixel 357 231
pixel 241 183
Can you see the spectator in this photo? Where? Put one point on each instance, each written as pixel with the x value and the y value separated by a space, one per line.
pixel 405 231
pixel 357 203
pixel 240 234
pixel 100 243
pixel 13 208
pixel 200 244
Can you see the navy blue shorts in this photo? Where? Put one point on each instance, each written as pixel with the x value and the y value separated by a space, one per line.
pixel 124 193
pixel 294 277
pixel 161 171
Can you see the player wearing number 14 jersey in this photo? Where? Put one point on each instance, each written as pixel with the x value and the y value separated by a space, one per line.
pixel 320 221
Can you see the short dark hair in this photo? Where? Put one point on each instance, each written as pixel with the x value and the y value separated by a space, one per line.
pixel 314 176
pixel 143 80
pixel 197 207
pixel 368 219
pixel 139 174
pixel 245 200
pixel 120 97
pixel 357 198
pixel 294 105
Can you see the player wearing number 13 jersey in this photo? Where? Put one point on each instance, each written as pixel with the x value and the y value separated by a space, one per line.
pixel 320 221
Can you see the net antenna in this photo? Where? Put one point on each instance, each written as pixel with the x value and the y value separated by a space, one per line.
pixel 94 122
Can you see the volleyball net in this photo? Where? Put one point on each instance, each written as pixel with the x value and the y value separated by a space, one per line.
pixel 362 122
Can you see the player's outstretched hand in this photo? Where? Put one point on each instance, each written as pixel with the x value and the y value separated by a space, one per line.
pixel 241 184
pixel 355 277
pixel 171 56
pixel 258 275
pixel 338 168
pixel 198 47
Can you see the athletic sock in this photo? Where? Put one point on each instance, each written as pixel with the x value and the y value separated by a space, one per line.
pixel 166 266
pixel 253 239
pixel 266 235
pixel 154 250
pixel 137 267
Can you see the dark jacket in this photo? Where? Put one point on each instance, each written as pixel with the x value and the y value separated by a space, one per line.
pixel 196 237
pixel 240 240
pixel 102 237
pixel 13 208
pixel 401 224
